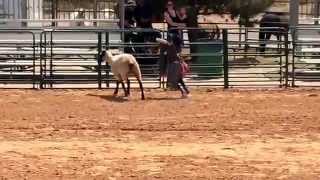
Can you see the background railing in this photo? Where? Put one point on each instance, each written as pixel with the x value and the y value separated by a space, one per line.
pixel 305 66
pixel 18 58
pixel 58 13
pixel 66 58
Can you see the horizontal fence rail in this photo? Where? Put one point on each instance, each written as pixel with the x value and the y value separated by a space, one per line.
pixel 257 61
pixel 62 13
pixel 233 57
pixel 306 57
pixel 18 60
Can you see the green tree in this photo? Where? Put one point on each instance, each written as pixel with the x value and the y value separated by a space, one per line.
pixel 244 9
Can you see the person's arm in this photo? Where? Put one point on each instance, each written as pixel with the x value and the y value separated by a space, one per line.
pixel 163 43
pixel 163 60
pixel 169 21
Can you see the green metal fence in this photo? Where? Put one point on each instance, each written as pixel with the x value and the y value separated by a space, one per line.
pixel 18 61
pixel 66 58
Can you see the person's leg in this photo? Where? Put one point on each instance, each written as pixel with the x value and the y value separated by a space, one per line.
pixel 184 90
pixel 181 89
pixel 184 86
pixel 262 37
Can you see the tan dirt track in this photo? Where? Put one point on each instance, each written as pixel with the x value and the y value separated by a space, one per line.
pixel 88 134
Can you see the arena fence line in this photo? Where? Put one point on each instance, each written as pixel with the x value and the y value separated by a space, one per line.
pixel 68 58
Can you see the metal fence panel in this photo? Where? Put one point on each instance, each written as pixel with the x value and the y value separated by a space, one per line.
pixel 257 62
pixel 67 58
pixel 306 57
pixel 42 13
pixel 18 61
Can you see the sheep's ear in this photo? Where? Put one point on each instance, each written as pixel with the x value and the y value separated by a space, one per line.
pixel 102 54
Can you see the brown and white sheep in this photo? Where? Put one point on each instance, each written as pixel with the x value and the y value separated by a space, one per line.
pixel 123 66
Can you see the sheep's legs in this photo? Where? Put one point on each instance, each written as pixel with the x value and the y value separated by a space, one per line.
pixel 141 89
pixel 117 89
pixel 128 86
pixel 124 89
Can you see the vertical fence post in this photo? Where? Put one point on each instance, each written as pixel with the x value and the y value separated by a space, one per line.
pixel 34 79
pixel 122 5
pixel 287 58
pixel 107 66
pixel 225 58
pixel 162 68
pixel 41 66
pixel 51 59
pixel 44 82
pixel 294 13
pixel 99 60
pixel 246 46
pixel 53 13
pixel 294 36
pixel 316 11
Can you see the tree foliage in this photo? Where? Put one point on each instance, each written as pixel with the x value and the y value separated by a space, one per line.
pixel 245 9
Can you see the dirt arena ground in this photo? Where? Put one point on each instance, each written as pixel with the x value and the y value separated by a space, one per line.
pixel 88 134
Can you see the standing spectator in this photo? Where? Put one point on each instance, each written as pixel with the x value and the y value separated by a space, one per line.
pixel 129 14
pixel 176 69
pixel 129 22
pixel 174 23
pixel 183 18
pixel 143 14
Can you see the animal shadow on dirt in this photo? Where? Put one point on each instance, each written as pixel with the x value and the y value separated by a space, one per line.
pixel 111 98
pixel 120 99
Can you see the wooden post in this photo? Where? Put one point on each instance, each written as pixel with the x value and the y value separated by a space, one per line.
pixel 294 13
pixel 316 11
pixel 122 12
pixel 122 16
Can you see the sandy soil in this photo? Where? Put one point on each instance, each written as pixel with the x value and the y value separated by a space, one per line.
pixel 87 134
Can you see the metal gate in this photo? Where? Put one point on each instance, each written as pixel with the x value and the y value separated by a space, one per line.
pixel 91 13
pixel 69 59
pixel 66 13
pixel 306 57
pixel 18 61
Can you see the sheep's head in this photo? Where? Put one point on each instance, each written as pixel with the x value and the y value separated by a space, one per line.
pixel 106 56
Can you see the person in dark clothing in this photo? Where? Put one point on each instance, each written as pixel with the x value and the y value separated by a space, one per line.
pixel 174 69
pixel 143 14
pixel 129 14
pixel 174 23
pixel 183 18
pixel 129 22
pixel 271 24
